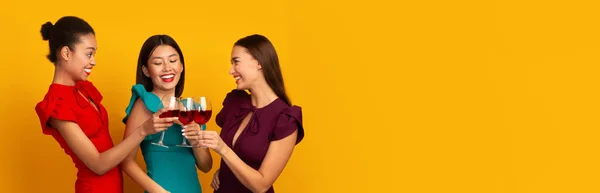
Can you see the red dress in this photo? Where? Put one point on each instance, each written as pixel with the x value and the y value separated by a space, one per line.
pixel 65 103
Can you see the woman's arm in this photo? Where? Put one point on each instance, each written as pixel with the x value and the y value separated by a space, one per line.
pixel 100 163
pixel 138 114
pixel 260 180
pixel 204 159
pixel 203 156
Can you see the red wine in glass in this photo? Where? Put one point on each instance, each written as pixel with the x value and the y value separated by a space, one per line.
pixel 203 111
pixel 170 113
pixel 172 104
pixel 186 117
pixel 201 117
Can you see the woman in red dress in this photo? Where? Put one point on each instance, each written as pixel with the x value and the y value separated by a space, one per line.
pixel 72 112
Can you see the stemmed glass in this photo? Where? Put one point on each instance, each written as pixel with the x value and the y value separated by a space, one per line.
pixel 203 111
pixel 172 103
pixel 186 115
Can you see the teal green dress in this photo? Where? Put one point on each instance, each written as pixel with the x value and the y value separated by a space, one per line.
pixel 173 168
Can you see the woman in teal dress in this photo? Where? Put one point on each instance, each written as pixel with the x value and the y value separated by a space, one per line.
pixel 160 73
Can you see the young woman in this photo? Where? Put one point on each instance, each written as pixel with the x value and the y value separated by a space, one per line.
pixel 160 74
pixel 260 129
pixel 73 114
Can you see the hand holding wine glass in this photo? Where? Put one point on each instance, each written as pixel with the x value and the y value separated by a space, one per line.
pixel 158 124
pixel 211 139
pixel 186 116
pixel 203 112
pixel 169 109
pixel 192 134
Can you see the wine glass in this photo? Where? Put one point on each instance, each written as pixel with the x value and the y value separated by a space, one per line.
pixel 203 111
pixel 172 103
pixel 186 111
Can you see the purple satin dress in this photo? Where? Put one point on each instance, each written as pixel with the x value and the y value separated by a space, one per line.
pixel 273 122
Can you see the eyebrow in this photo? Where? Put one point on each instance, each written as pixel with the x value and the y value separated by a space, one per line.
pixel 91 48
pixel 235 58
pixel 158 57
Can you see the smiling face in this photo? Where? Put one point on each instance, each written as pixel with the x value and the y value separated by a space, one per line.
pixel 164 68
pixel 79 61
pixel 244 68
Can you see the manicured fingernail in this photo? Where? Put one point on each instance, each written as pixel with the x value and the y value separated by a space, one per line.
pixel 183 130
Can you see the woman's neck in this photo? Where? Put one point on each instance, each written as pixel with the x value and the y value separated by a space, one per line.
pixel 62 77
pixel 162 93
pixel 262 95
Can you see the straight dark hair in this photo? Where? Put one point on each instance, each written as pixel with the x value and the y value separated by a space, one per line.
pixel 149 45
pixel 264 52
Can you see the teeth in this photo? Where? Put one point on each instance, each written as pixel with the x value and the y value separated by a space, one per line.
pixel 87 70
pixel 167 76
pixel 237 78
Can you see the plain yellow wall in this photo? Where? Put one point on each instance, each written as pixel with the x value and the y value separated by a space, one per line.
pixel 412 96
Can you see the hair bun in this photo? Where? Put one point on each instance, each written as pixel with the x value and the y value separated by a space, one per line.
pixel 46 28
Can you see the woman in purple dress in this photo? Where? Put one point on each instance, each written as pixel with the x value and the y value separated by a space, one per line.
pixel 258 130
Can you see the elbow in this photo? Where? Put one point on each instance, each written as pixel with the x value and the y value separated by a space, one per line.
pixel 99 170
pixel 260 188
pixel 95 167
pixel 258 185
pixel 205 168
pixel 260 191
pixel 125 165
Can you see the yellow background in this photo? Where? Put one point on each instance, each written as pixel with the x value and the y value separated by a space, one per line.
pixel 412 96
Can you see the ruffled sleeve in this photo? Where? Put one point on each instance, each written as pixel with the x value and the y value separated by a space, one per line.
pixel 233 98
pixel 289 120
pixel 54 106
pixel 151 101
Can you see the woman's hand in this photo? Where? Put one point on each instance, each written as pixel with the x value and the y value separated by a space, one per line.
pixel 215 181
pixel 211 139
pixel 156 124
pixel 192 134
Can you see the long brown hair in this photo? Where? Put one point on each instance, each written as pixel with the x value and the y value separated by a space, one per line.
pixel 264 52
